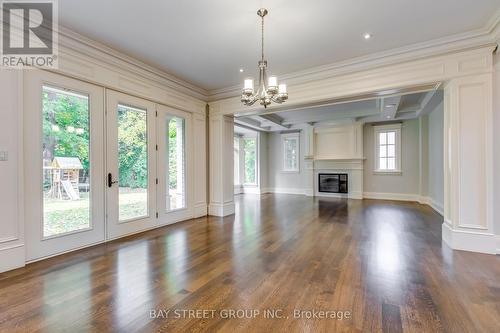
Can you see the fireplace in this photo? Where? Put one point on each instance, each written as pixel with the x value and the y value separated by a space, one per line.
pixel 332 182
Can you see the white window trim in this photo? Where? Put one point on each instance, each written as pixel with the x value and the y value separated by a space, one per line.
pixel 385 128
pixel 283 157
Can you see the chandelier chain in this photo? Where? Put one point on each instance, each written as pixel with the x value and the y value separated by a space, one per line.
pixel 262 37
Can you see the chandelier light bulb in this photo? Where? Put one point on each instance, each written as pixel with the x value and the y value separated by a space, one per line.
pixel 282 88
pixel 273 81
pixel 248 87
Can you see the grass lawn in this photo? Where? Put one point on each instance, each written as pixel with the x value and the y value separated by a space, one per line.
pixel 61 216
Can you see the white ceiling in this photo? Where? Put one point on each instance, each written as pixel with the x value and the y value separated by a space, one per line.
pixel 206 42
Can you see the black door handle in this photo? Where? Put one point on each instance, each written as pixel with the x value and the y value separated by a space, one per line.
pixel 110 180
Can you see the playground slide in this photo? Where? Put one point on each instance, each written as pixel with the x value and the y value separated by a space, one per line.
pixel 70 191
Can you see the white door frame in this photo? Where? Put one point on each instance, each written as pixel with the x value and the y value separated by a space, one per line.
pixel 36 245
pixel 115 228
pixel 168 217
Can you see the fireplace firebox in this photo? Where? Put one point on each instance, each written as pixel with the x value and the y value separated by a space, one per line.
pixel 332 182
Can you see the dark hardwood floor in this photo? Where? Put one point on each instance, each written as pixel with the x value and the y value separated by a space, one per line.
pixel 380 264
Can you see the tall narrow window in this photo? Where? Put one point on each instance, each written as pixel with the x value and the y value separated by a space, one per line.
pixel 176 184
pixel 290 152
pixel 132 163
pixel 250 158
pixel 66 161
pixel 388 148
pixel 236 161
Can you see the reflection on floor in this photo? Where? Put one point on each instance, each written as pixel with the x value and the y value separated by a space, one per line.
pixel 380 265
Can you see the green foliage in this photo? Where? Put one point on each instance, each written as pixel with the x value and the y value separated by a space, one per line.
pixel 132 148
pixel 249 148
pixel 172 153
pixel 66 111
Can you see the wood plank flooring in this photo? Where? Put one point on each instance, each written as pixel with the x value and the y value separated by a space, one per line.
pixel 382 262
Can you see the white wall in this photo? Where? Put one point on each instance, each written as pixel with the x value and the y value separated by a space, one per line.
pixel 435 181
pixel 11 228
pixel 278 180
pixel 406 183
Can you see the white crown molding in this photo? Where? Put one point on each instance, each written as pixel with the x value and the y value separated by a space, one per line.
pixel 76 42
pixel 488 35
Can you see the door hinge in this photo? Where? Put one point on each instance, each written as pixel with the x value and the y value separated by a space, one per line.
pixel 156 147
pixel 156 214
pixel 156 181
pixel 156 113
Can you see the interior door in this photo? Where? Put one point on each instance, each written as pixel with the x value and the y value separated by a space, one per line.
pixel 64 163
pixel 131 164
pixel 174 165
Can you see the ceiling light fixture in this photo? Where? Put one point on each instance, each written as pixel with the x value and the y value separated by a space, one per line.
pixel 241 70
pixel 367 35
pixel 268 90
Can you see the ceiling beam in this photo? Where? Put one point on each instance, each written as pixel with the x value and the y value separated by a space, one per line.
pixel 389 107
pixel 274 119
pixel 250 124
pixel 429 102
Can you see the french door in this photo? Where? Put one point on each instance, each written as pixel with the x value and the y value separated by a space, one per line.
pixel 174 187
pixel 99 164
pixel 130 163
pixel 64 163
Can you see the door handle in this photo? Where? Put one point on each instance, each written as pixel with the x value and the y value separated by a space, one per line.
pixel 110 180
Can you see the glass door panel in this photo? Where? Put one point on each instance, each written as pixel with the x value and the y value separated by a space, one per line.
pixel 174 167
pixel 64 161
pixel 131 164
pixel 176 189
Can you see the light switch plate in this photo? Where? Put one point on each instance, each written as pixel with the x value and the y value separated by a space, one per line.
pixel 4 155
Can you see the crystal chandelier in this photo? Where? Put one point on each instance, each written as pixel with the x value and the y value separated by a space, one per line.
pixel 268 90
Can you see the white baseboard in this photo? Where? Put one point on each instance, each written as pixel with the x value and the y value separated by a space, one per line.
pixel 216 209
pixel 286 190
pixel 469 240
pixel 200 210
pixel 437 206
pixel 12 257
pixel 498 244
pixel 390 196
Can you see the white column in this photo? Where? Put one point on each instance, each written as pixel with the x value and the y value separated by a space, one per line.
pixel 468 163
pixel 221 132
pixel 200 164
pixel 308 180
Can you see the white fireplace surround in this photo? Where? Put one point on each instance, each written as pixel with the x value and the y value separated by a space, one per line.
pixel 335 149
pixel 352 167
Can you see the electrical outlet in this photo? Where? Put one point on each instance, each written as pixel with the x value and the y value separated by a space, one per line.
pixel 4 155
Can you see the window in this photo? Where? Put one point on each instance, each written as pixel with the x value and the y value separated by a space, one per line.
pixel 388 148
pixel 175 142
pixel 236 160
pixel 291 145
pixel 250 161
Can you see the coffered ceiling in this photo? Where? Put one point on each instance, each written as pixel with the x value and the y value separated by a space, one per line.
pixel 374 110
pixel 207 42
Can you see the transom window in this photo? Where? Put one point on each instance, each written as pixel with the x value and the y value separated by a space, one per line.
pixel 388 148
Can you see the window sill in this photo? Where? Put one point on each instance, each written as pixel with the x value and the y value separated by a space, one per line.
pixel 290 171
pixel 390 172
